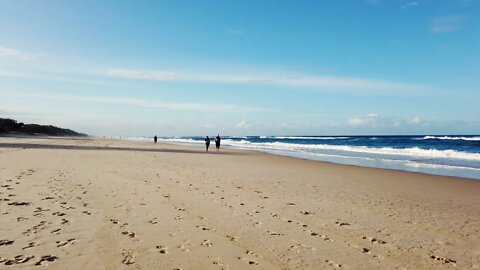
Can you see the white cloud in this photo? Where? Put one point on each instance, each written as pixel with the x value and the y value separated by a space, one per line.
pixel 242 124
pixel 285 80
pixel 14 53
pixel 416 120
pixel 447 24
pixel 374 123
pixel 365 120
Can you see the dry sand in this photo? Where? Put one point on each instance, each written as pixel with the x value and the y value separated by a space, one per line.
pixel 107 204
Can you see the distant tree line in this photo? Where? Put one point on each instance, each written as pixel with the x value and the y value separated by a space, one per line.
pixel 10 126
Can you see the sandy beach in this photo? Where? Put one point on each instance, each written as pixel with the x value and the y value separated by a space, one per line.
pixel 84 203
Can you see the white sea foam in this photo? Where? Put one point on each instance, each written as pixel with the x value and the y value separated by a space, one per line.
pixel 437 166
pixel 412 152
pixel 180 140
pixel 477 138
pixel 142 139
pixel 306 138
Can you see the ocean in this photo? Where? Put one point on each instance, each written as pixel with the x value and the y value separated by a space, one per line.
pixel 440 155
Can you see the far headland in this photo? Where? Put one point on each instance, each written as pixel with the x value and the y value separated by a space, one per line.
pixel 12 127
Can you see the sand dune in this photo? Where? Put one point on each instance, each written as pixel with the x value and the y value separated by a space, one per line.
pixel 109 204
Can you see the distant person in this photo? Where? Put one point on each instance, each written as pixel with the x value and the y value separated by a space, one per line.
pixel 207 142
pixel 217 142
pixel 155 139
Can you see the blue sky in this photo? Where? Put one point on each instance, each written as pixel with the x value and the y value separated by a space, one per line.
pixel 133 68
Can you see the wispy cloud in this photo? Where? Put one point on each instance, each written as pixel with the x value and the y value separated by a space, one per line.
pixel 410 5
pixel 146 103
pixel 282 79
pixel 146 75
pixel 364 120
pixel 243 124
pixel 447 24
pixel 49 77
pixel 293 81
pixel 14 53
pixel 416 120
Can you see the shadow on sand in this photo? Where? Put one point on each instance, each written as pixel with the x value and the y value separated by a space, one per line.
pixel 106 148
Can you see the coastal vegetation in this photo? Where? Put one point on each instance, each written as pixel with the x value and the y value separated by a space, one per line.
pixel 11 126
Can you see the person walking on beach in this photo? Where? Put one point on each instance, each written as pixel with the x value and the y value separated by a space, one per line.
pixel 155 139
pixel 207 143
pixel 217 142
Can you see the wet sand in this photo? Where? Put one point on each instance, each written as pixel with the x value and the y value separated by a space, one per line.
pixel 86 203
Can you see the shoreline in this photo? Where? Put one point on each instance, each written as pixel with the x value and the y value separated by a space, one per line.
pixel 115 204
pixel 200 149
pixel 429 169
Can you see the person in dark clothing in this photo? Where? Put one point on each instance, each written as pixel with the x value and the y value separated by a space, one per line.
pixel 207 142
pixel 155 139
pixel 217 142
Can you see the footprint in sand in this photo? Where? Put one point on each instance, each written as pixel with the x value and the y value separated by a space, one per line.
pixel 217 261
pixel 204 228
pixel 16 260
pixel 162 249
pixel 130 234
pixel 206 243
pixel 153 221
pixel 258 224
pixel 342 224
pixel 46 258
pixel 30 245
pixel 41 209
pixel 64 243
pixel 5 242
pixel 250 262
pixel 374 240
pixel 275 233
pixel 443 260
pixel 128 256
pixel 332 263
pixel 114 221
pixel 57 231
pixel 40 226
pixel 183 247
pixel 231 238
pixel 20 203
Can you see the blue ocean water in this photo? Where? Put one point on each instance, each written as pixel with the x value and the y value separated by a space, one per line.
pixel 450 155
